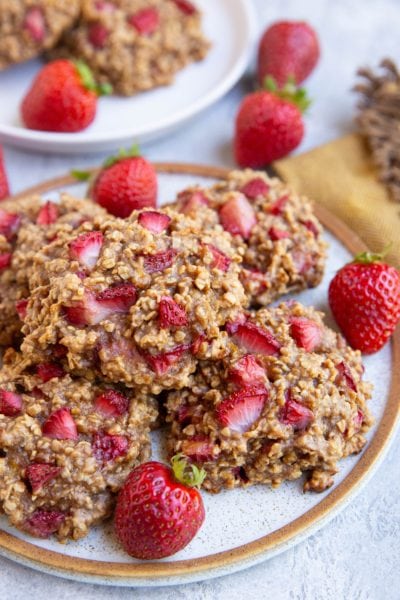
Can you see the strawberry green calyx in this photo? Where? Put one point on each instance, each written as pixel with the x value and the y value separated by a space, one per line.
pixel 132 152
pixel 368 258
pixel 187 473
pixel 81 175
pixel 289 91
pixel 89 82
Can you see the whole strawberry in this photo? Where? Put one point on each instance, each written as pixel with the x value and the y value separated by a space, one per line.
pixel 157 514
pixel 4 189
pixel 127 182
pixel 365 300
pixel 287 49
pixel 63 97
pixel 269 125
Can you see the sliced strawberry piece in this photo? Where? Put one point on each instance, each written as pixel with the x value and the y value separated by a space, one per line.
pixel 198 448
pixel 247 371
pixel 256 339
pixel 358 420
pixel 277 234
pixel 111 403
pixel 186 7
pixel 60 425
pixel 197 342
pixel 145 21
pixel 345 375
pixel 303 261
pixel 188 414
pixel 35 24
pixel 251 276
pixel 306 333
pixel 48 214
pixel 86 312
pixel 237 216
pixel 10 403
pixel 295 414
pixel 118 298
pixel 20 307
pixel 5 260
pixel 4 187
pixel 240 410
pixel 9 224
pixel 86 248
pixel 42 523
pixel 276 208
pixel 105 6
pixel 232 326
pixel 98 35
pixel 153 263
pixel 161 363
pixel 108 447
pixel 171 314
pixel 221 261
pixel 254 188
pixel 39 474
pixel 311 226
pixel 47 371
pixel 189 201
pixel 154 221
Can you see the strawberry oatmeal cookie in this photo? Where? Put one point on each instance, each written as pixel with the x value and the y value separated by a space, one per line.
pixel 135 45
pixel 281 239
pixel 135 300
pixel 28 27
pixel 66 447
pixel 288 400
pixel 26 225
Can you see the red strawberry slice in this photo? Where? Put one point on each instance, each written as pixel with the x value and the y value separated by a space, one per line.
pixel 98 35
pixel 105 6
pixel 221 261
pixel 237 216
pixel 118 298
pixel 277 234
pixel 5 260
pixel 189 201
pixel 111 403
pixel 276 208
pixel 108 447
pixel 60 425
pixel 145 21
pixel 48 214
pixel 295 414
pixel 171 314
pixel 240 410
pixel 358 420
pixel 311 226
pixel 42 523
pixel 9 224
pixel 303 261
pixel 10 403
pixel 187 414
pixel 154 221
pixel 197 342
pixel 186 7
pixel 94 309
pixel 232 326
pixel 161 363
pixel 254 188
pixel 247 371
pixel 21 307
pixel 306 333
pixel 39 474
pixel 85 312
pixel 47 371
pixel 254 278
pixel 86 248
pixel 198 448
pixel 34 23
pixel 256 339
pixel 345 375
pixel 153 263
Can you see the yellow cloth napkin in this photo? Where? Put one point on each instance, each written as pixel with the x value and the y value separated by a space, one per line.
pixel 341 176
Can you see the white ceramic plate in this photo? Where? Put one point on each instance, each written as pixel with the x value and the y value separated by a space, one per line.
pixel 242 527
pixel 228 24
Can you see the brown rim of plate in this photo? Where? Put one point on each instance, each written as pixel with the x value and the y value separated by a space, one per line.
pixel 57 562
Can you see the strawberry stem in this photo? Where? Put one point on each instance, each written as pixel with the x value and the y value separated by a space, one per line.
pixel 289 91
pixel 88 81
pixel 187 473
pixel 132 152
pixel 368 258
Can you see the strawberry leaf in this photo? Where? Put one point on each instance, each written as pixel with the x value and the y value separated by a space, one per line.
pixel 88 81
pixel 80 175
pixel 289 92
pixel 132 152
pixel 186 473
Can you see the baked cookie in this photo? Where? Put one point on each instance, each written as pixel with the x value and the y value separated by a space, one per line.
pixel 66 447
pixel 28 27
pixel 289 400
pixel 135 45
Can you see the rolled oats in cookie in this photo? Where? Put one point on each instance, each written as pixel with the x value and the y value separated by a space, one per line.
pixel 135 45
pixel 66 447
pixel 29 27
pixel 278 231
pixel 136 301
pixel 288 401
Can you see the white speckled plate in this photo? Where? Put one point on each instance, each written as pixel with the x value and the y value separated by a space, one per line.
pixel 228 24
pixel 242 527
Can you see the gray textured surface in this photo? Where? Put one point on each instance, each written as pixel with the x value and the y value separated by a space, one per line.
pixel 356 556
